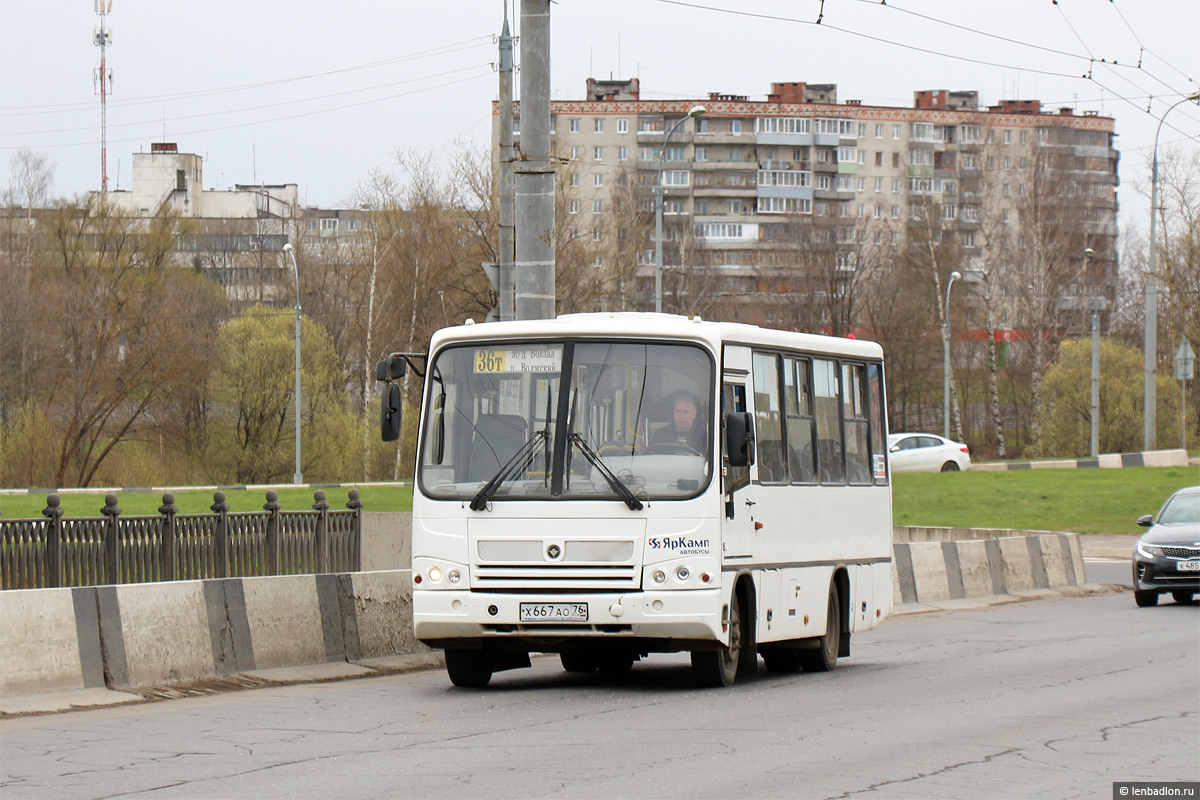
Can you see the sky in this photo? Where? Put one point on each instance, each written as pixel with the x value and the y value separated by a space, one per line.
pixel 319 94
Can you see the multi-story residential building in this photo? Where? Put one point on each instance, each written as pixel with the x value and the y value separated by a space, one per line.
pixel 791 201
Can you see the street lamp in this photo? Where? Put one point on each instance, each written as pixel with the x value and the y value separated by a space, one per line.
pixel 694 111
pixel 946 356
pixel 1088 255
pixel 1149 433
pixel 297 478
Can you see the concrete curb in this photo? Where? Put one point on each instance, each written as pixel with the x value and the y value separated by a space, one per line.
pixel 1150 458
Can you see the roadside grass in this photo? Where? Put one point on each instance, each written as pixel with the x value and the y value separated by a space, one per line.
pixel 1078 500
pixel 88 504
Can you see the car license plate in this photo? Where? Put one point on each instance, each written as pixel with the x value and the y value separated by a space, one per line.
pixel 554 612
pixel 1189 566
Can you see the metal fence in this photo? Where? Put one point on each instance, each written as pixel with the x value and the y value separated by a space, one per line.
pixel 86 551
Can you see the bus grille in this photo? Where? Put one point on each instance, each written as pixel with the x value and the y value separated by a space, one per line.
pixel 555 576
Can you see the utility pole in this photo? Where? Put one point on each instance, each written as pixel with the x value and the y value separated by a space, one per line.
pixel 102 38
pixel 504 281
pixel 534 171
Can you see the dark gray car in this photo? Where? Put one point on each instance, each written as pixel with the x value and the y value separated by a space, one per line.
pixel 1167 557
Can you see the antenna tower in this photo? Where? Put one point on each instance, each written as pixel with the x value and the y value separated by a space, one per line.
pixel 102 81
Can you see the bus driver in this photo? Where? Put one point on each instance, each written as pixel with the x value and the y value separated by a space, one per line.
pixel 684 429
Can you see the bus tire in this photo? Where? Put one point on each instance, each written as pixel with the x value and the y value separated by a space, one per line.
pixel 824 657
pixel 470 669
pixel 783 662
pixel 714 668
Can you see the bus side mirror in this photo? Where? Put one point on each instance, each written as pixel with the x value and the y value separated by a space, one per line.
pixel 739 439
pixel 391 368
pixel 390 413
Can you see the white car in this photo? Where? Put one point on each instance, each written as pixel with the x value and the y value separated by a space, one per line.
pixel 926 452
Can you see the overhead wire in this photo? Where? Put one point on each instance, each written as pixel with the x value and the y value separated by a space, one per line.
pixel 61 108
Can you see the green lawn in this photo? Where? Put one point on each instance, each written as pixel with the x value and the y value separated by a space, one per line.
pixel 375 498
pixel 1079 500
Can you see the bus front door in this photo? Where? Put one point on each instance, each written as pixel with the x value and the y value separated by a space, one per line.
pixel 737 491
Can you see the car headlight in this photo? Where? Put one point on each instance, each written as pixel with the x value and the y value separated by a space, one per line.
pixel 1149 550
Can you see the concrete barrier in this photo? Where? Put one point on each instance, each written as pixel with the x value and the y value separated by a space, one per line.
pixel 933 571
pixel 146 635
pixel 49 641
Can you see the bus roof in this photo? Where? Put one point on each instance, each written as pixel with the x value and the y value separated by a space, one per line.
pixel 637 324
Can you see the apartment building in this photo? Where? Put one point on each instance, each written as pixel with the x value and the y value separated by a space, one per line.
pixel 778 203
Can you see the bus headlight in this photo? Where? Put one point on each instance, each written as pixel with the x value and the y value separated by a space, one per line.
pixel 683 573
pixel 435 574
pixel 453 576
pixel 659 576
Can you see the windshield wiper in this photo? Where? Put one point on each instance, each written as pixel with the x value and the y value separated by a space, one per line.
pixel 616 483
pixel 519 462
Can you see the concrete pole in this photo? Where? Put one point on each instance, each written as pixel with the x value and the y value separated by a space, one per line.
pixel 534 172
pixel 946 357
pixel 1095 381
pixel 504 283
pixel 693 112
pixel 297 478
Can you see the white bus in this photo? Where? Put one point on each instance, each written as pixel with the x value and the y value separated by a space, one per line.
pixel 606 486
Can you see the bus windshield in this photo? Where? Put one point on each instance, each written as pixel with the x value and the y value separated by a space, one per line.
pixel 568 420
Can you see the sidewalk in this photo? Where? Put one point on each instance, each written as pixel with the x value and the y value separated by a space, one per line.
pixel 1107 545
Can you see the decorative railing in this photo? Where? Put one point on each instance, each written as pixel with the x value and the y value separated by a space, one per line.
pixel 86 551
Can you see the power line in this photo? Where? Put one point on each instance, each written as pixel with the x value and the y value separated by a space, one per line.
pixel 260 106
pixel 274 119
pixel 62 108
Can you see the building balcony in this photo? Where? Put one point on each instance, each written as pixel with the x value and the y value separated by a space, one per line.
pixel 724 137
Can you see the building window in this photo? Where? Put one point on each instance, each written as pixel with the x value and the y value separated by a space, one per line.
pixel 1008 137
pixel 822 210
pixel 722 230
pixel 781 125
pixel 673 207
pixel 895 212
pixel 949 211
pixel 878 131
pixel 1024 137
pixel 823 155
pixel 312 225
pixel 861 184
pixel 879 159
pixel 895 238
pixel 575 179
pixel 701 126
pixel 896 160
pixel 970 214
pixel 845 183
pixel 676 177
pixel 1004 215
pixel 784 177
pixel 895 185
pixel 647 154
pixel 784 205
pixel 676 153
pixel 879 184
pixel 862 130
pixel 574 126
pixel 598 126
pixel 329 223
pixel 735 126
pixel 735 206
pixel 573 207
pixel 597 153
pixel 968 239
pixel 622 154
pixel 702 154
pixel 1007 163
pixel 595 234
pixel 351 224
pixel 877 212
pixel 701 206
pixel 823 182
pixel 622 126
pixel 597 206
pixel 598 180
pixel 574 153
pixel 895 131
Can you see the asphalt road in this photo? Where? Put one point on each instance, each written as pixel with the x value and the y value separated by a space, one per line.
pixel 1053 698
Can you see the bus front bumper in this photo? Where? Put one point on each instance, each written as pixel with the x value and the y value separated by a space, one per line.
pixel 680 614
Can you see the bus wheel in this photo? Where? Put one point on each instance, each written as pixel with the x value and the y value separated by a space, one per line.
pixel 471 669
pixel 824 658
pixel 577 661
pixel 782 661
pixel 713 668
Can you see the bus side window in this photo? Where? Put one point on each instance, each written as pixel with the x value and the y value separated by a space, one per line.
pixel 878 422
pixel 768 427
pixel 827 408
